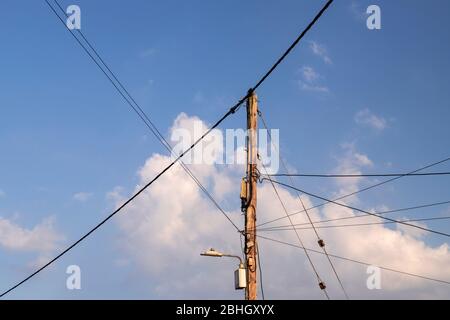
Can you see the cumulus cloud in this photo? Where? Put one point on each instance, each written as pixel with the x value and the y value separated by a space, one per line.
pixel 320 51
pixel 350 162
pixel 309 74
pixel 366 118
pixel 314 88
pixel 42 239
pixel 166 227
pixel 310 81
pixel 82 196
pixel 413 232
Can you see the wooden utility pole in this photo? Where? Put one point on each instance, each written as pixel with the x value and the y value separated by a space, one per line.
pixel 250 212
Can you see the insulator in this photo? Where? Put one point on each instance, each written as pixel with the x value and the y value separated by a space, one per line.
pixel 321 243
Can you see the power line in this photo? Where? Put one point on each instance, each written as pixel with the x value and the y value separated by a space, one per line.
pixel 286 53
pixel 261 282
pixel 365 215
pixel 144 116
pixel 231 111
pixel 360 190
pixel 360 210
pixel 357 261
pixel 319 239
pixel 321 283
pixel 359 175
pixel 356 224
pixel 278 62
pixel 137 108
pixel 311 24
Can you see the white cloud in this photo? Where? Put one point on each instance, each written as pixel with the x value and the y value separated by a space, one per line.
pixel 82 196
pixel 313 88
pixel 366 118
pixel 167 226
pixel 363 160
pixel 2 193
pixel 42 239
pixel 309 74
pixel 413 232
pixel 115 194
pixel 320 51
pixel 350 162
pixel 357 11
pixel 310 80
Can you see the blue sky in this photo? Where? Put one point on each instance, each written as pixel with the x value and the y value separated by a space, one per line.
pixel 64 130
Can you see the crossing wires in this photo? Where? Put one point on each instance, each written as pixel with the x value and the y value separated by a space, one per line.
pixel 178 158
pixel 315 270
pixel 122 90
pixel 378 184
pixel 359 210
pixel 365 215
pixel 416 275
pixel 304 175
pixel 226 115
pixel 356 224
pixel 319 239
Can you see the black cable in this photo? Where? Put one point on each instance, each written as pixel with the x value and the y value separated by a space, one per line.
pixel 361 190
pixel 316 272
pixel 359 175
pixel 360 210
pixel 285 55
pixel 357 261
pixel 356 224
pixel 261 282
pixel 144 117
pixel 136 107
pixel 364 215
pixel 319 239
pixel 231 111
pixel 293 44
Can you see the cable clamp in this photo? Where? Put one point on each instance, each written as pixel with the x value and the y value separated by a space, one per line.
pixel 257 174
pixel 321 243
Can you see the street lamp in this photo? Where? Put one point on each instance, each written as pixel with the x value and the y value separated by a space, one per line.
pixel 240 277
